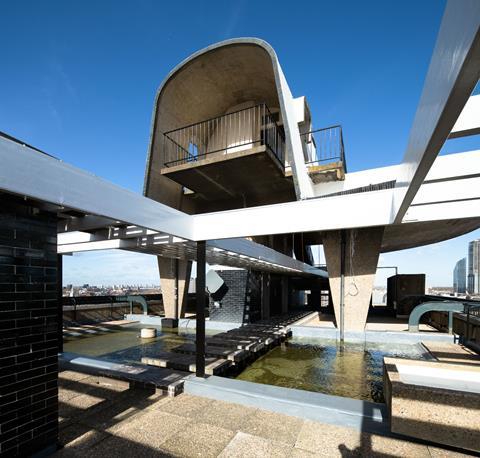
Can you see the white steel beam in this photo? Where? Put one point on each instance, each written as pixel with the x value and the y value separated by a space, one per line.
pixel 437 211
pixel 234 252
pixel 319 214
pixel 27 172
pixel 95 246
pixel 468 123
pixel 452 75
pixel 85 223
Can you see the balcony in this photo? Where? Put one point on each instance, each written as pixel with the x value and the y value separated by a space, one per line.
pixel 325 154
pixel 237 156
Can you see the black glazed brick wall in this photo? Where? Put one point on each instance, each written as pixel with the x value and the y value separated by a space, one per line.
pixel 241 302
pixel 28 329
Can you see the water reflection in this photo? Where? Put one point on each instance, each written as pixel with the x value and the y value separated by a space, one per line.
pixel 351 370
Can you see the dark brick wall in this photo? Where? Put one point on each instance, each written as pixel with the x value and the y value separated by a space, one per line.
pixel 241 303
pixel 28 329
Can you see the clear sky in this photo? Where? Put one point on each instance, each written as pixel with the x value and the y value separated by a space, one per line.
pixel 78 80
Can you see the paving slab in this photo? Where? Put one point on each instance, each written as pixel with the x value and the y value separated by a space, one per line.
pixel 118 447
pixel 329 440
pixel 154 428
pixel 452 353
pixel 198 440
pixel 273 426
pixel 80 437
pixel 225 415
pixel 185 405
pixel 245 445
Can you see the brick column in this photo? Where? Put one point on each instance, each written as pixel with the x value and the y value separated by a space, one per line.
pixel 28 329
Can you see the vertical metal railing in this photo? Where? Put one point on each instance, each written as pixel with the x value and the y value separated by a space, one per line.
pixel 232 132
pixel 323 146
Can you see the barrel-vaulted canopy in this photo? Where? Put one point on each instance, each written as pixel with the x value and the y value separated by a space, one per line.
pixel 210 83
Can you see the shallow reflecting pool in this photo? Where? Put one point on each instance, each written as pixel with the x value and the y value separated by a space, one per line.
pixel 321 365
pixel 125 344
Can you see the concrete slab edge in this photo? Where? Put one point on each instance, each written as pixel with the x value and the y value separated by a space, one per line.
pixel 185 323
pixel 353 413
pixel 371 336
pixel 313 331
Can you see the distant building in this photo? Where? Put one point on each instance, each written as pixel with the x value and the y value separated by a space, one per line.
pixel 474 267
pixel 460 276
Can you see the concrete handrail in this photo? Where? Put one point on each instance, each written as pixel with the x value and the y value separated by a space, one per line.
pixel 131 299
pixel 434 306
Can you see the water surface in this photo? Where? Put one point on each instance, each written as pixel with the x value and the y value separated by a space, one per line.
pixel 321 365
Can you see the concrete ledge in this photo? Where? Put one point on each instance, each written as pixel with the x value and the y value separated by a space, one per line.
pixel 168 380
pixel 434 401
pixel 371 336
pixel 361 415
pixel 312 331
pixel 182 322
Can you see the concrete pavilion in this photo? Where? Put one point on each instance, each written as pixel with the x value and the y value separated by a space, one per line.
pixel 236 175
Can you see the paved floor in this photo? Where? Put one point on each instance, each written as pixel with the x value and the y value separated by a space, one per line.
pixel 101 417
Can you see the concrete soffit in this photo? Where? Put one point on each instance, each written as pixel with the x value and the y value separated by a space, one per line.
pixel 303 184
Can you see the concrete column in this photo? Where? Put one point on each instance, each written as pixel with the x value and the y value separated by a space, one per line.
pixel 174 279
pixel 361 257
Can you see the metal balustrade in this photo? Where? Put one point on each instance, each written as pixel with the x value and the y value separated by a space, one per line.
pixel 323 146
pixel 232 132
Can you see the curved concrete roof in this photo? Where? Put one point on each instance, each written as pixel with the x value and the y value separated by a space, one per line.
pixel 206 85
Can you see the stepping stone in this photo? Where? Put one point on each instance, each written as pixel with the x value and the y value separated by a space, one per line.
pixel 218 352
pixel 213 366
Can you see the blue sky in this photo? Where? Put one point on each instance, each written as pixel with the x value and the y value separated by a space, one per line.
pixel 78 80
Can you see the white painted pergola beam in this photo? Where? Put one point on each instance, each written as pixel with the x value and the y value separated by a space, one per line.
pixel 468 123
pixel 27 172
pixel 319 214
pixel 233 252
pixel 455 209
pixel 452 75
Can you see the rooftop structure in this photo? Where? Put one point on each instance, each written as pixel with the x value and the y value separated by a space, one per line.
pixel 237 175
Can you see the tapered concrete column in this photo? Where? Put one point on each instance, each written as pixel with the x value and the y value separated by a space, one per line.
pixel 174 279
pixel 362 249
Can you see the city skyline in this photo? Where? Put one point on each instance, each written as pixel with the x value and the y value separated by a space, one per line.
pixel 116 267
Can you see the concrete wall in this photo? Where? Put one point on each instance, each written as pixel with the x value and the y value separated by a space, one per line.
pixel 29 329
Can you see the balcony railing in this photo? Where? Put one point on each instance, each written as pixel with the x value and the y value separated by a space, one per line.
pixel 237 131
pixel 323 146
